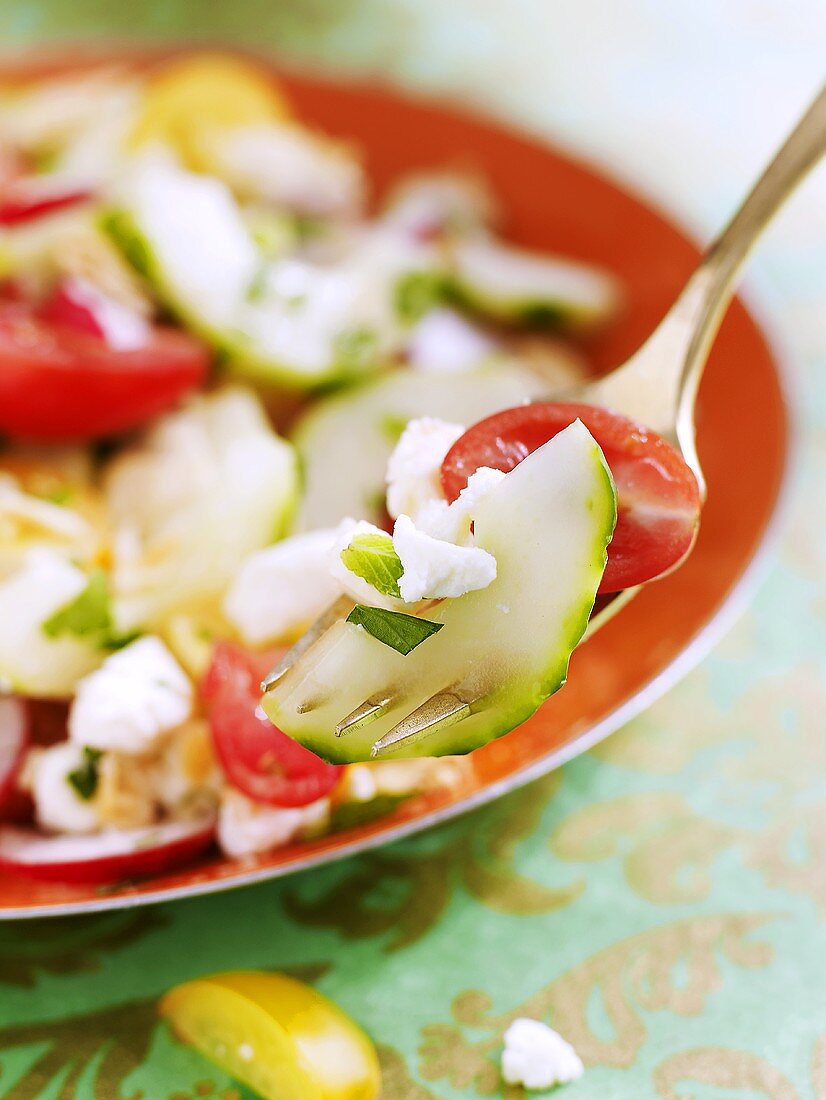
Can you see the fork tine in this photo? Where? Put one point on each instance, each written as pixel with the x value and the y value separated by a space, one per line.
pixel 437 713
pixel 366 712
pixel 338 610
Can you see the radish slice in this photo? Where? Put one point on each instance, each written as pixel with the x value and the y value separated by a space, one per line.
pixel 14 741
pixel 100 858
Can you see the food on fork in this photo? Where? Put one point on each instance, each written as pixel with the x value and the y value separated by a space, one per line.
pixel 237 397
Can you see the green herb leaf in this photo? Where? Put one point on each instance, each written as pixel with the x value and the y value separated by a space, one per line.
pixel 401 632
pixel 85 779
pixel 416 293
pixel 87 614
pixel 374 559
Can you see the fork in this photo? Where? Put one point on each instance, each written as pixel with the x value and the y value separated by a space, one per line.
pixel 657 387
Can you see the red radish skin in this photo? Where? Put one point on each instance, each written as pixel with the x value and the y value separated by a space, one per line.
pixel 658 499
pixel 18 208
pixel 101 859
pixel 14 744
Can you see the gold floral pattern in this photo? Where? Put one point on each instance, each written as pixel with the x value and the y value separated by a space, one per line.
pixel 69 945
pixel 673 967
pixel 406 892
pixel 724 1071
pixel 667 850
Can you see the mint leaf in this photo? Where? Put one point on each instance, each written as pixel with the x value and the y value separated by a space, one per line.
pixel 416 293
pixel 85 778
pixel 401 632
pixel 87 614
pixel 374 559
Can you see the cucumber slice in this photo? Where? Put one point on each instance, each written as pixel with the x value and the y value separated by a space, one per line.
pixel 345 440
pixel 31 662
pixel 202 489
pixel 519 287
pixel 186 235
pixel 548 523
pixel 288 320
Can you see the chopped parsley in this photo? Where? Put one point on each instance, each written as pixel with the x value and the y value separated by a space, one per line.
pixel 85 778
pixel 88 614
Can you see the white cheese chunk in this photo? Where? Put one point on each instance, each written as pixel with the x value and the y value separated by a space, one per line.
pixel 451 522
pixel 434 569
pixel 246 828
pixel 537 1057
pixel 132 700
pixel 413 467
pixel 282 588
pixel 58 805
pixel 444 341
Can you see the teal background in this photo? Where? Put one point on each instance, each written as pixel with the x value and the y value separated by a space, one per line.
pixel 661 900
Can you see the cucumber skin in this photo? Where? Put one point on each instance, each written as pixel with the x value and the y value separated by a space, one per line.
pixel 497 720
pixel 235 353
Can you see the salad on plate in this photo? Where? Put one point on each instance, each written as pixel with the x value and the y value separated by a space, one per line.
pixel 236 389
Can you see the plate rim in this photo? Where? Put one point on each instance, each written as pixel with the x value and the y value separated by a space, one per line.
pixel 756 296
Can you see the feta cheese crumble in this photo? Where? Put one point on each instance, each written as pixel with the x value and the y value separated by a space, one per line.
pixel 452 521
pixel 413 467
pixel 435 569
pixel 246 828
pixel 282 588
pixel 537 1057
pixel 136 696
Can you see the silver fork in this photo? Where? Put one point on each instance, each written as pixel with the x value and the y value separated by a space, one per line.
pixel 656 386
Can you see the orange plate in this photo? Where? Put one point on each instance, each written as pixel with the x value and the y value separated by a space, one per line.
pixel 556 204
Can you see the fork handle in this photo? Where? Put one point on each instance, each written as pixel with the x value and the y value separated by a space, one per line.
pixel 659 383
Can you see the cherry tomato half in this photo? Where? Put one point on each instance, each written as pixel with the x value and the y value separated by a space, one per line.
pixel 60 383
pixel 658 499
pixel 257 758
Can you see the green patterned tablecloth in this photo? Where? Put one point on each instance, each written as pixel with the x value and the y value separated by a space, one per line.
pixel 659 901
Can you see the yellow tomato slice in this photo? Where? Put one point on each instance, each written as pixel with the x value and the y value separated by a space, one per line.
pixel 276 1035
pixel 189 100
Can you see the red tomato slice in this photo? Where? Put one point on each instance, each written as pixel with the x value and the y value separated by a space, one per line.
pixel 658 499
pixel 17 207
pixel 257 758
pixel 99 858
pixel 58 383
